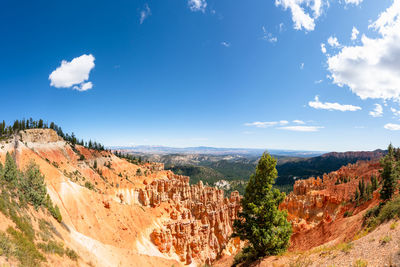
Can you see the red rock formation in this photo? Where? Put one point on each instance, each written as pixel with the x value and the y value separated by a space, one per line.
pixel 316 204
pixel 201 220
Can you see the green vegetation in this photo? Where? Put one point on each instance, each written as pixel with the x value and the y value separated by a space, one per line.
pixel 390 173
pixel 261 222
pixel 90 186
pixel 18 189
pixel 21 125
pixel 128 157
pixel 198 173
pixel 360 263
pixel 29 186
pixel 382 213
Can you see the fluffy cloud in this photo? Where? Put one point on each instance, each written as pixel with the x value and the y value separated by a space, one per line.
pixel 372 69
pixel 323 48
pixel 377 112
pixel 197 5
pixel 304 12
pixel 145 13
pixel 73 74
pixel 392 127
pixel 299 128
pixel 354 33
pixel 299 122
pixel 331 106
pixel 268 36
pixel 332 41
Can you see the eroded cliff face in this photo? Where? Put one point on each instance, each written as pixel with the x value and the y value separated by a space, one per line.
pixel 316 206
pixel 124 214
pixel 200 222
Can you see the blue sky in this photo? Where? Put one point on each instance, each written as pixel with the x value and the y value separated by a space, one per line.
pixel 216 72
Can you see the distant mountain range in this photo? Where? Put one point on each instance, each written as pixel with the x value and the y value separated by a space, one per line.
pixel 215 151
pixel 235 165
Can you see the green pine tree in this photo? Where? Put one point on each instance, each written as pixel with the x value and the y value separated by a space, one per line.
pixel 389 174
pixel 10 172
pixel 34 186
pixel 261 222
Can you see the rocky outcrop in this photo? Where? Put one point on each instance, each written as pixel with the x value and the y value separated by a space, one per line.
pixel 41 136
pixel 320 200
pixel 200 222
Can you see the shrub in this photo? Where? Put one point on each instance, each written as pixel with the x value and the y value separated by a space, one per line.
pixel 71 254
pixel 386 239
pixel 52 247
pixel 361 263
pixel 89 186
pixel 6 249
pixel 25 250
pixel 348 213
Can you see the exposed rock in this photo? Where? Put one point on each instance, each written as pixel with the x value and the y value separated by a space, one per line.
pixel 315 203
pixel 201 219
pixel 39 136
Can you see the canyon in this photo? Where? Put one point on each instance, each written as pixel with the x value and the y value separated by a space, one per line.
pixel 119 213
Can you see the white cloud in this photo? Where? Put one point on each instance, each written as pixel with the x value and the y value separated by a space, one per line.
pixel 331 106
pixel 372 69
pixel 261 124
pixel 354 34
pixel 354 2
pixel 265 124
pixel 302 128
pixel 281 27
pixel 145 13
pixel 268 36
pixel 299 122
pixel 83 86
pixel 74 73
pixel 396 112
pixel 377 112
pixel 318 82
pixel 302 65
pixel 323 48
pixel 304 12
pixel 392 126
pixel 197 5
pixel 333 41
pixel 226 44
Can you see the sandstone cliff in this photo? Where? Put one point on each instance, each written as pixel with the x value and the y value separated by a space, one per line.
pixel 123 214
pixel 316 206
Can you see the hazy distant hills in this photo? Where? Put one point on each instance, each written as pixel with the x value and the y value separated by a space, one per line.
pixel 317 166
pixel 235 165
pixel 215 151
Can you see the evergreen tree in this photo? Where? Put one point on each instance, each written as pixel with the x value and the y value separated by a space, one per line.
pixel 361 187
pixel 11 173
pixel 95 164
pixel 369 191
pixel 356 195
pixel 34 186
pixel 390 174
pixel 374 183
pixel 261 222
